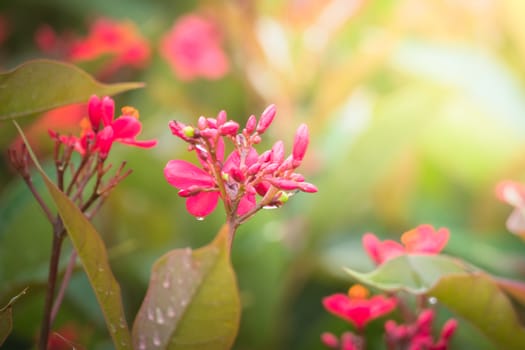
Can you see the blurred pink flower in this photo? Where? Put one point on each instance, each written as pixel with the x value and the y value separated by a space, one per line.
pixel 423 239
pixel 121 40
pixel 513 193
pixel 193 49
pixel 356 308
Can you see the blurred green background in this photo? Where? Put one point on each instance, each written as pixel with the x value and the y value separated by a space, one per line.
pixel 416 110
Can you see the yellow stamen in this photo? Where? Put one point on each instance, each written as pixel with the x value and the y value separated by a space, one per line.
pixel 358 291
pixel 130 111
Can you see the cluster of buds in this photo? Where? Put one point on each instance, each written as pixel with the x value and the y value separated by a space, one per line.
pixel 418 335
pixel 244 175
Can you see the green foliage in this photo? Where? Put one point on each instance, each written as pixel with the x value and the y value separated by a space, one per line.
pixel 40 85
pixel 6 317
pixel 192 301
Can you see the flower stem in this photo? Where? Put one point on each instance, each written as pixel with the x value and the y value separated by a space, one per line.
pixel 65 282
pixel 58 236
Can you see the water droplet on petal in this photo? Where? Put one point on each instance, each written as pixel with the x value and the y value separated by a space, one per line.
pixel 166 283
pixel 432 300
pixel 160 316
pixel 270 207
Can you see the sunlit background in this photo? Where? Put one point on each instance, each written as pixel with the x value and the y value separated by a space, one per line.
pixel 416 109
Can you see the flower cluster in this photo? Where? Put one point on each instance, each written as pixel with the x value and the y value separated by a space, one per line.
pixel 101 129
pixel 418 335
pixel 424 239
pixel 193 49
pixel 244 174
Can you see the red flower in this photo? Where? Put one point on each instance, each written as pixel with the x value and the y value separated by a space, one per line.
pixel 123 129
pixel 193 49
pixel 121 40
pixel 357 308
pixel 513 193
pixel 424 239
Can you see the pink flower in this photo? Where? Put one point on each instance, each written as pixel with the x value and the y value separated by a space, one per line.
pixel 244 175
pixel 101 130
pixel 357 308
pixel 424 239
pixel 348 341
pixel 513 193
pixel 121 40
pixel 193 49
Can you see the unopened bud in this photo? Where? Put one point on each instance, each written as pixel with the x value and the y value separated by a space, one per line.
pixel 278 152
pixel 300 143
pixel 212 123
pixel 229 128
pixel 284 184
pixel 254 169
pixel 201 123
pixel 307 187
pixel 448 329
pixel 330 340
pixel 108 110
pixel 221 118
pixel 251 123
pixel 95 111
pixel 266 118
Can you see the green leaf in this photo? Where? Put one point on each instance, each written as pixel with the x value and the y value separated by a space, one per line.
pixel 40 85
pixel 411 272
pixel 477 299
pixel 6 317
pixel 515 288
pixel 94 257
pixel 192 301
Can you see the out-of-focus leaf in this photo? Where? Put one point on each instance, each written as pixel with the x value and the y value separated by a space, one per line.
pixel 477 299
pixel 192 301
pixel 6 317
pixel 411 272
pixel 515 288
pixel 94 257
pixel 40 85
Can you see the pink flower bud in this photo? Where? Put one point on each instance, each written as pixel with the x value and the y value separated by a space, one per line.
pixel 266 118
pixel 330 340
pixel 448 329
pixel 229 128
pixel 255 139
pixel 307 187
pixel 201 123
pixel 300 143
pixel 105 141
pixel 210 134
pixel 251 123
pixel 265 157
pixel 221 118
pixel 262 188
pixel 254 169
pixel 278 152
pixel 297 177
pixel 212 123
pixel 271 168
pixel 284 184
pixel 95 112
pixel 108 110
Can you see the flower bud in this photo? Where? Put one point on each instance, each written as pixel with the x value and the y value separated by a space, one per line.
pixel 254 169
pixel 237 174
pixel 188 131
pixel 212 123
pixel 266 118
pixel 307 187
pixel 284 184
pixel 201 123
pixel 251 123
pixel 108 110
pixel 448 329
pixel 330 340
pixel 221 118
pixel 95 111
pixel 300 143
pixel 229 128
pixel 278 152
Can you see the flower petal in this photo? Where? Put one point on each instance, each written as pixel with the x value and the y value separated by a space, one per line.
pixel 126 127
pixel 202 204
pixel 182 174
pixel 246 204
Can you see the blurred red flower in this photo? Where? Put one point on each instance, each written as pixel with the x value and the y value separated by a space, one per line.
pixel 193 49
